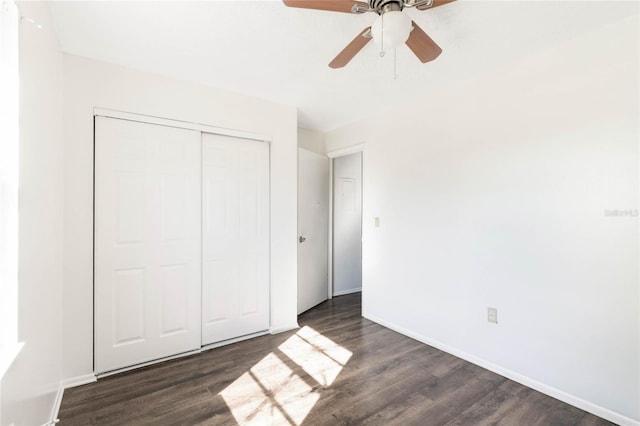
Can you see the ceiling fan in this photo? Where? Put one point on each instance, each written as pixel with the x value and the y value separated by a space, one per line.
pixel 391 28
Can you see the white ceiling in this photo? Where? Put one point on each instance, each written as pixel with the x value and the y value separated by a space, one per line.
pixel 267 50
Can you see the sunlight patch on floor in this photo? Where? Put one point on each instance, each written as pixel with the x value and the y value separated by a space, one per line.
pixel 320 357
pixel 272 393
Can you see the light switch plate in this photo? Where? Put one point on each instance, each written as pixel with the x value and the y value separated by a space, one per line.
pixel 492 315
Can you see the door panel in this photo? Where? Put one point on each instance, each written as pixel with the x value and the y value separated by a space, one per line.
pixel 147 242
pixel 175 306
pixel 173 196
pixel 347 224
pixel 313 226
pixel 128 300
pixel 130 207
pixel 235 287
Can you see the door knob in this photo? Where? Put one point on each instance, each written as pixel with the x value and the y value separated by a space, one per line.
pixel 302 239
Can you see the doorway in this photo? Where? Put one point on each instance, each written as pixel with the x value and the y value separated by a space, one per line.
pixel 313 229
pixel 346 222
pixel 329 225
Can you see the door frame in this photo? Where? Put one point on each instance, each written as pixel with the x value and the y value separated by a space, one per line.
pixel 204 128
pixel 354 149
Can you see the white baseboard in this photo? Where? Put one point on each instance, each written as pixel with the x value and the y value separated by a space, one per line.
pixel 72 382
pixel 282 329
pixel 590 407
pixel 348 291
pixel 53 419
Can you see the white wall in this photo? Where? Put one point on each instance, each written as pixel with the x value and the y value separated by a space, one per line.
pixel 311 140
pixel 30 385
pixel 493 193
pixel 90 84
pixel 347 224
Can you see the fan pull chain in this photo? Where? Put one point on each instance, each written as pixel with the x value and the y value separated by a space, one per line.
pixel 382 53
pixel 395 65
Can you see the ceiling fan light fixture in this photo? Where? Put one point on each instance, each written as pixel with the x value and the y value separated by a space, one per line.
pixel 391 29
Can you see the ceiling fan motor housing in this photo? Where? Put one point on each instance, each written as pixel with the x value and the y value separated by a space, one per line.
pixel 383 6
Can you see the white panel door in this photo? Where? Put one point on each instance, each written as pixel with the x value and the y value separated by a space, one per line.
pixel 313 229
pixel 147 242
pixel 235 247
pixel 347 224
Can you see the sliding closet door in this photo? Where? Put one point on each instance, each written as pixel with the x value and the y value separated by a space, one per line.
pixel 235 285
pixel 147 242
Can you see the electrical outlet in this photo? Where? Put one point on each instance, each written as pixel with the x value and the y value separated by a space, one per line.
pixel 376 222
pixel 492 315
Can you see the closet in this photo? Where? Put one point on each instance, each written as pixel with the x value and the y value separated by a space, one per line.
pixel 235 238
pixel 181 249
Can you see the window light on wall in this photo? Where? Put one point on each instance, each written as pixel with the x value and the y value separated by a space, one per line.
pixel 9 155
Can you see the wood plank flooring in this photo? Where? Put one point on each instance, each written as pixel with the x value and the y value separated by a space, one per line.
pixel 338 369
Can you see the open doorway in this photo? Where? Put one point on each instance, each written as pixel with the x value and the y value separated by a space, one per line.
pixel 313 229
pixel 346 222
pixel 329 225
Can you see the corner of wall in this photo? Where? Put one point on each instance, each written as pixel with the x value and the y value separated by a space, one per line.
pixel 312 140
pixel 32 385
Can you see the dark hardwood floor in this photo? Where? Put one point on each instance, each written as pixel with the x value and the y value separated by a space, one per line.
pixel 338 369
